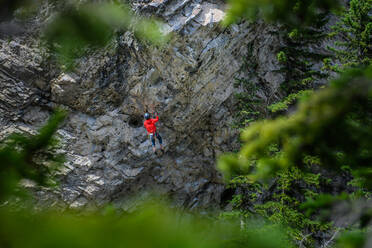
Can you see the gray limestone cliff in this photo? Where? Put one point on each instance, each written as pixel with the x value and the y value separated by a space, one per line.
pixel 190 82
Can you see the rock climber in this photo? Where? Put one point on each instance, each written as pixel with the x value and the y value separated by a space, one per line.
pixel 151 131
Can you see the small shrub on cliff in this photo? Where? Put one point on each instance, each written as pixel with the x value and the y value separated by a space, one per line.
pixel 287 101
pixel 294 34
pixel 281 57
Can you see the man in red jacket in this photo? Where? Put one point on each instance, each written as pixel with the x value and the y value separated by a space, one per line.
pixel 151 131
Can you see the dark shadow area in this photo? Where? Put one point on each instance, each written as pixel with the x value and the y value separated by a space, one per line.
pixel 227 196
pixel 136 121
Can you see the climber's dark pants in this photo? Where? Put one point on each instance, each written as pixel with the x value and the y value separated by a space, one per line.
pixel 152 138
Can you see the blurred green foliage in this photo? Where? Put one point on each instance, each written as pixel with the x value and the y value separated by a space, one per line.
pixel 26 156
pixel 76 29
pixel 322 201
pixel 314 130
pixel 152 225
pixel 352 239
pixel 331 129
pixel 7 7
pixel 292 12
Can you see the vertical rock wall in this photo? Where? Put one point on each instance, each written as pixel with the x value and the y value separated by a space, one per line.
pixel 189 82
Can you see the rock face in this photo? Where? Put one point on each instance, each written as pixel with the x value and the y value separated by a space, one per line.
pixel 189 82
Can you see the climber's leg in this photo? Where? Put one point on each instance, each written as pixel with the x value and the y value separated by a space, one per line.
pixel 160 140
pixel 152 138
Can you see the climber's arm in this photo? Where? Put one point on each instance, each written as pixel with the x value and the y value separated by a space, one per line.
pixel 156 119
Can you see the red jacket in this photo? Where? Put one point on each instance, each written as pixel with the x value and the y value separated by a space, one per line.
pixel 150 125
